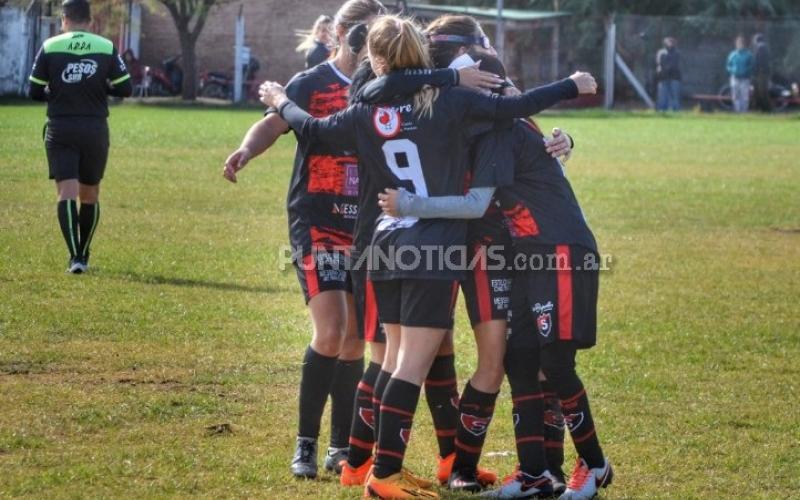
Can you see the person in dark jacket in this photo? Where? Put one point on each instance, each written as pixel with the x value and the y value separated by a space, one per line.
pixel 762 68
pixel 74 73
pixel 316 43
pixel 668 74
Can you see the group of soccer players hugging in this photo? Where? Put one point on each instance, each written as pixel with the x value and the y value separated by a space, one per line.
pixel 415 154
pixel 413 147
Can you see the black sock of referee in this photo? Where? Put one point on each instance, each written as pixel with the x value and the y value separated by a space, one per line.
pixel 343 394
pixel 441 392
pixel 315 385
pixel 377 396
pixel 362 431
pixel 553 429
pixel 68 220
pixel 397 414
pixel 88 217
pixel 558 365
pixel 476 409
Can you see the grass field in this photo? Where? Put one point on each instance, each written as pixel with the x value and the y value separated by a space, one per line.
pixel 110 381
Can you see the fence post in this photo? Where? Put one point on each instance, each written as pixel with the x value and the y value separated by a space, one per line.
pixel 238 53
pixel 608 61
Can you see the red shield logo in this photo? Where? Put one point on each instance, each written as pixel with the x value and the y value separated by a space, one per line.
pixel 367 416
pixel 544 323
pixel 476 426
pixel 553 419
pixel 573 420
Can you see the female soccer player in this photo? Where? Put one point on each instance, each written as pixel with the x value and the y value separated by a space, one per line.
pixel 414 141
pixel 322 206
pixel 548 228
pixel 315 44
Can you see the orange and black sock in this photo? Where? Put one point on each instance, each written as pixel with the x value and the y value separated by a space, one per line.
pixel 475 412
pixel 362 437
pixel 377 395
pixel 441 392
pixel 397 415
pixel 553 429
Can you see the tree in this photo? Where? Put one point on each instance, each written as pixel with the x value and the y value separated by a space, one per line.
pixel 189 17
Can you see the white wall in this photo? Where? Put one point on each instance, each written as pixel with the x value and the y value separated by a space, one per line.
pixel 14 58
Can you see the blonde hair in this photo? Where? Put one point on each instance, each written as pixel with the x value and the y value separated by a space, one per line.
pixel 309 38
pixel 401 44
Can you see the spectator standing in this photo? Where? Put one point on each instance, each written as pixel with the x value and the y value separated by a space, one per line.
pixel 668 74
pixel 316 43
pixel 740 68
pixel 761 73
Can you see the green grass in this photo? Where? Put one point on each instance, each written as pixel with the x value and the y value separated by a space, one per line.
pixel 108 381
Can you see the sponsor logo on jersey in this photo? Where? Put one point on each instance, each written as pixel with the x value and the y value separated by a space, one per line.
pixel 75 72
pixel 573 420
pixel 367 416
pixel 346 210
pixel 476 426
pixel 544 321
pixel 405 435
pixel 387 122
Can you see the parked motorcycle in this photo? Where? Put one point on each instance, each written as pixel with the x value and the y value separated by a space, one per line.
pixel 220 85
pixel 167 80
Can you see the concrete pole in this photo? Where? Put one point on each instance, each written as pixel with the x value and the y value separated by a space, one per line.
pixel 237 61
pixel 500 42
pixel 608 61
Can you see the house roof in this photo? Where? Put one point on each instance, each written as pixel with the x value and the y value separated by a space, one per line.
pixel 489 13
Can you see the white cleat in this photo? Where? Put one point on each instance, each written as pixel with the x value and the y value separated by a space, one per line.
pixel 522 485
pixel 585 482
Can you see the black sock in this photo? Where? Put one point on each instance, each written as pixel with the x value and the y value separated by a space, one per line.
pixel 343 395
pixel 522 369
pixel 315 385
pixel 68 220
pixel 553 429
pixel 441 392
pixel 558 364
pixel 362 437
pixel 397 414
pixel 377 396
pixel 89 216
pixel 475 409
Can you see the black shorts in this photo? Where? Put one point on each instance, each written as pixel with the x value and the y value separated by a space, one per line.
pixel 562 296
pixel 77 148
pixel 323 271
pixel 487 287
pixel 369 326
pixel 416 302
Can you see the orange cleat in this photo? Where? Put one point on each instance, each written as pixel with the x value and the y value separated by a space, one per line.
pixel 354 476
pixel 485 476
pixel 395 487
pixel 413 478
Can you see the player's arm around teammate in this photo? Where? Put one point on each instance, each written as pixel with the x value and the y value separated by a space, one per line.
pixel 74 73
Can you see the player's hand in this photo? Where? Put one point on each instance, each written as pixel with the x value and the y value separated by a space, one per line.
pixel 558 145
pixel 585 82
pixel 235 162
pixel 272 94
pixel 473 78
pixel 388 201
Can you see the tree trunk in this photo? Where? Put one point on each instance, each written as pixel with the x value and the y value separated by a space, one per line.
pixel 189 67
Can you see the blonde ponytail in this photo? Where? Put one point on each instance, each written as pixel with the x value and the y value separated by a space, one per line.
pixel 308 39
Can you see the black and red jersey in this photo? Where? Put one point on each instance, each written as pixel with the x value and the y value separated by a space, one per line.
pixel 425 155
pixel 540 206
pixel 322 202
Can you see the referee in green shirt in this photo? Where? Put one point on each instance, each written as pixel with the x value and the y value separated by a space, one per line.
pixel 74 73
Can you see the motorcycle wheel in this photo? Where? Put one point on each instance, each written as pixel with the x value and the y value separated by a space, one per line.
pixel 725 102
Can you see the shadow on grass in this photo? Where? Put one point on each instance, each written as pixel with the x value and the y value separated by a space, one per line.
pixel 158 279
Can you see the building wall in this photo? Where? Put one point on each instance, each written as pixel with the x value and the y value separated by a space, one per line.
pixel 14 41
pixel 270 33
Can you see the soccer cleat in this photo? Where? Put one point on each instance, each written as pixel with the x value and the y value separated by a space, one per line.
pixel 415 479
pixel 304 463
pixel 396 486
pixel 76 266
pixel 354 476
pixel 522 485
pixel 558 480
pixel 333 459
pixel 584 482
pixel 485 476
pixel 464 481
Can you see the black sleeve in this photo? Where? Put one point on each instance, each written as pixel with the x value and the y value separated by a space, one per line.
pixel 39 77
pixel 406 82
pixel 493 160
pixel 521 106
pixel 119 80
pixel 337 130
